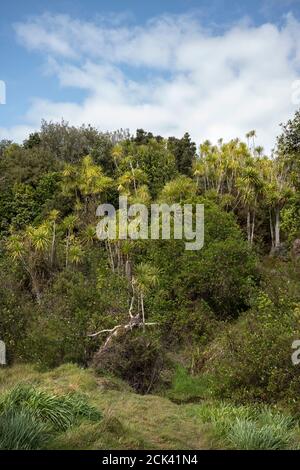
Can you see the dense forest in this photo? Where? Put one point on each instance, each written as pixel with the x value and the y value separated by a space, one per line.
pixel 214 325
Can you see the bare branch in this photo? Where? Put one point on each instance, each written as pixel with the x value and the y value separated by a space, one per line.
pixel 112 330
pixel 131 307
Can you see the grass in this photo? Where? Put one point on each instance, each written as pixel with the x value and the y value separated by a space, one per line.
pixel 248 435
pixel 29 416
pixel 186 388
pixel 109 415
pixel 249 427
pixel 20 431
pixel 129 420
pixel 60 412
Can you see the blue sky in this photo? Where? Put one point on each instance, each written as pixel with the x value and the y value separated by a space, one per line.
pixel 214 68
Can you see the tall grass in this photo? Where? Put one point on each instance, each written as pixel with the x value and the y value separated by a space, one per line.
pixel 31 415
pixel 248 435
pixel 59 411
pixel 20 431
pixel 249 427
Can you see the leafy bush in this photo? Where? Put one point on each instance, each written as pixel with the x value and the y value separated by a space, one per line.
pixel 251 359
pixel 74 306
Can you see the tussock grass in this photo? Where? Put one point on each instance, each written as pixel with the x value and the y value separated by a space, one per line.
pixel 249 427
pixel 248 435
pixel 29 416
pixel 21 431
pixel 59 411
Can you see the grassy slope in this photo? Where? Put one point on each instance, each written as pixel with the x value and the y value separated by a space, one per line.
pixel 130 420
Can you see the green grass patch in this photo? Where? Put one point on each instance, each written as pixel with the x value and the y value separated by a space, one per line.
pixel 248 427
pixel 186 388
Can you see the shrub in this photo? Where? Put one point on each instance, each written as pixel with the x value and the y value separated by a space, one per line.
pixel 251 359
pixel 74 306
pixel 137 358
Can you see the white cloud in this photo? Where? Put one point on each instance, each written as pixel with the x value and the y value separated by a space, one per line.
pixel 169 76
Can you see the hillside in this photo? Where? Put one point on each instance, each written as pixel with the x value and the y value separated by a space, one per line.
pixel 132 421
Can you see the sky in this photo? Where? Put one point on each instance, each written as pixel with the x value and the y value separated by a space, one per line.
pixel 213 68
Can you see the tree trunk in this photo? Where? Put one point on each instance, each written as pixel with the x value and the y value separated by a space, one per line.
pixel 249 227
pixel 252 228
pixel 143 311
pixel 277 227
pixel 272 229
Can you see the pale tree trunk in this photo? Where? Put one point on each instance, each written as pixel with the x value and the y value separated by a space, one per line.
pixel 36 289
pixel 34 281
pixel 272 229
pixel 249 227
pixel 252 228
pixel 277 227
pixel 135 321
pixel 143 311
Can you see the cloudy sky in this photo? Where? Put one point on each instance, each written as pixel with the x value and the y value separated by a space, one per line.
pixel 214 68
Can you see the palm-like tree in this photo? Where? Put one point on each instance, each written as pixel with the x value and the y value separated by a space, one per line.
pixel 29 248
pixel 69 224
pixel 117 154
pixel 250 185
pixel 130 180
pixel 278 190
pixel 85 181
pixel 251 135
pixel 178 190
pixel 53 217
pixel 75 253
pixel 146 277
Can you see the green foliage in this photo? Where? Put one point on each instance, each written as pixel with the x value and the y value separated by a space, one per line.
pixel 59 412
pixel 249 427
pixel 187 388
pixel 184 151
pixel 252 358
pixel 246 435
pixel 229 309
pixel 20 431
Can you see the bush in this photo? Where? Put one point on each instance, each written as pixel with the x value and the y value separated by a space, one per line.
pixel 251 359
pixel 71 308
pixel 137 358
